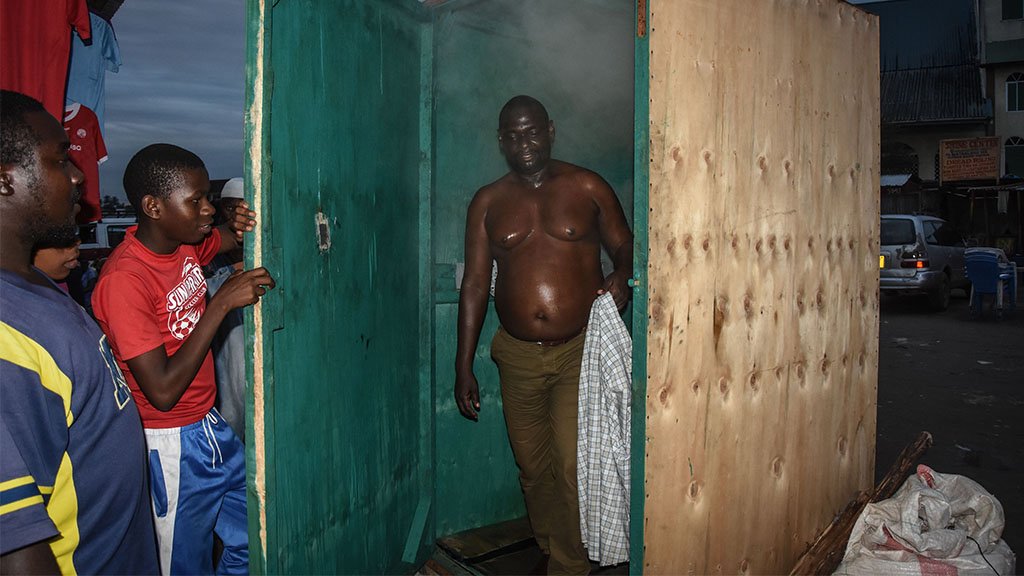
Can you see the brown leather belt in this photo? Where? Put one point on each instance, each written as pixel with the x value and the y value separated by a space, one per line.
pixel 549 343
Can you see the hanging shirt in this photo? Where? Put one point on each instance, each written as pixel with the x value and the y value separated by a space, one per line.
pixel 35 41
pixel 89 65
pixel 602 442
pixel 87 152
pixel 144 300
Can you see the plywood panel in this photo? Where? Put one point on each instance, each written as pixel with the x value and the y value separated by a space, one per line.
pixel 762 278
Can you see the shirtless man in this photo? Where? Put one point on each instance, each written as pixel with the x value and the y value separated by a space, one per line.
pixel 544 223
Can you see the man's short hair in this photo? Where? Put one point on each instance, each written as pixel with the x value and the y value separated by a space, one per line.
pixel 156 170
pixel 17 137
pixel 522 102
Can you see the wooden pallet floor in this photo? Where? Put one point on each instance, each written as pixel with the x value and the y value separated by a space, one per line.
pixel 506 548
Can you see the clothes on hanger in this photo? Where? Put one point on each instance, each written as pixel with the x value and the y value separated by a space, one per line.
pixel 35 40
pixel 87 151
pixel 89 65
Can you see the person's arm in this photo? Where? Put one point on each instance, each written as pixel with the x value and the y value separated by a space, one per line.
pixel 240 221
pixel 35 559
pixel 164 379
pixel 476 282
pixel 616 239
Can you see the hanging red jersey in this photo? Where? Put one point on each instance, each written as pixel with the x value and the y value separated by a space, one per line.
pixel 35 40
pixel 87 152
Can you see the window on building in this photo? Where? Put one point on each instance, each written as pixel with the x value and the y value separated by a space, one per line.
pixel 1013 151
pixel 1015 91
pixel 1013 9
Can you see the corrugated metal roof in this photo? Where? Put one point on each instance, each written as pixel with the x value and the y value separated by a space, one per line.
pixel 930 63
pixel 947 93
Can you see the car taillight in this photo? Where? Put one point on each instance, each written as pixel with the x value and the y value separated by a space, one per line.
pixel 914 257
pixel 917 263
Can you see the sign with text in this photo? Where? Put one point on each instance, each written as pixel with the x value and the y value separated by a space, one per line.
pixel 969 159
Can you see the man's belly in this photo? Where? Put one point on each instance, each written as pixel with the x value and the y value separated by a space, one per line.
pixel 542 311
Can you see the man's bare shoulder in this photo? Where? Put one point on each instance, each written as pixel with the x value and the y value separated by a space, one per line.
pixel 489 192
pixel 581 177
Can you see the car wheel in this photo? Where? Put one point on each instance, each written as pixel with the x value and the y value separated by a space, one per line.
pixel 939 300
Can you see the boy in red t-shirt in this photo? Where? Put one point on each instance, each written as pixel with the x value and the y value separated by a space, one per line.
pixel 151 302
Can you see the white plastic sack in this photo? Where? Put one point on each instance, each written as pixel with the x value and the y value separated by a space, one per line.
pixel 926 529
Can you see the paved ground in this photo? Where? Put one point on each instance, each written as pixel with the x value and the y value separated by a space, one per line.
pixel 961 379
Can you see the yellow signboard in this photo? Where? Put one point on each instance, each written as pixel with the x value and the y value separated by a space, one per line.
pixel 969 159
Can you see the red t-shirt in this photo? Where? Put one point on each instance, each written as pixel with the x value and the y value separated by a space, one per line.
pixel 35 41
pixel 144 300
pixel 87 152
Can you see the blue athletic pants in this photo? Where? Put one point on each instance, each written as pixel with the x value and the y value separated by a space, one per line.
pixel 197 476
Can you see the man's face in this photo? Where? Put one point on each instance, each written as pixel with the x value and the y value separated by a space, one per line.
pixel 186 214
pixel 525 138
pixel 53 183
pixel 226 208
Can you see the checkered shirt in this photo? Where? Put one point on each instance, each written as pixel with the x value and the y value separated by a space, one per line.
pixel 602 444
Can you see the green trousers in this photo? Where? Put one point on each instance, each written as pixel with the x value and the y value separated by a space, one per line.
pixel 539 394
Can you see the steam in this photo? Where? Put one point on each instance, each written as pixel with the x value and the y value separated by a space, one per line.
pixel 576 58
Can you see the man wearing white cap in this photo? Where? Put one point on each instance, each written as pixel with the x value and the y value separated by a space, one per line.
pixel 229 343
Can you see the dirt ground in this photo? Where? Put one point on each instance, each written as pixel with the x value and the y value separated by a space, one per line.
pixel 961 379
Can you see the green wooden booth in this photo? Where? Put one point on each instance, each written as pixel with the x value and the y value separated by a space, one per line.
pixel 369 126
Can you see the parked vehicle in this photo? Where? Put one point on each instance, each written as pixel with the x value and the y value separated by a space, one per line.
pixel 99 239
pixel 921 255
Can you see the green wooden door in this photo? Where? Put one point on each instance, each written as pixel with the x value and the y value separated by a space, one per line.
pixel 641 207
pixel 334 126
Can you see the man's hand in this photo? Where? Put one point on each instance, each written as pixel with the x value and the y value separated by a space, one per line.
pixel 243 289
pixel 617 284
pixel 241 220
pixel 467 395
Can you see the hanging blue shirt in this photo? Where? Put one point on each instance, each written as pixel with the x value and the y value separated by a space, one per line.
pixel 87 70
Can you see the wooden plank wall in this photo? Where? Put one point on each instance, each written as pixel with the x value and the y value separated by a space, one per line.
pixel 762 278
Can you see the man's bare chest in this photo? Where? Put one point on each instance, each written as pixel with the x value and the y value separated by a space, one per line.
pixel 517 221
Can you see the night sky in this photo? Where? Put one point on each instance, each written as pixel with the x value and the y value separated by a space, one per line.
pixel 182 81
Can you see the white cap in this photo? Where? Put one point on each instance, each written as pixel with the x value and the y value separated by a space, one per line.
pixel 233 188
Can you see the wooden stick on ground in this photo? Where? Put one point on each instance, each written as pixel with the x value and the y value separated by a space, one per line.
pixel 825 554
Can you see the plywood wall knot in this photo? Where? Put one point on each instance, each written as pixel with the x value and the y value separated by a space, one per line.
pixel 664 394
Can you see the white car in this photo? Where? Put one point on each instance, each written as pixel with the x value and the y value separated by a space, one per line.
pixel 99 239
pixel 921 255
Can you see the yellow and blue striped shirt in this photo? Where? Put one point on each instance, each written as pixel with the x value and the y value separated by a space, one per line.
pixel 72 451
